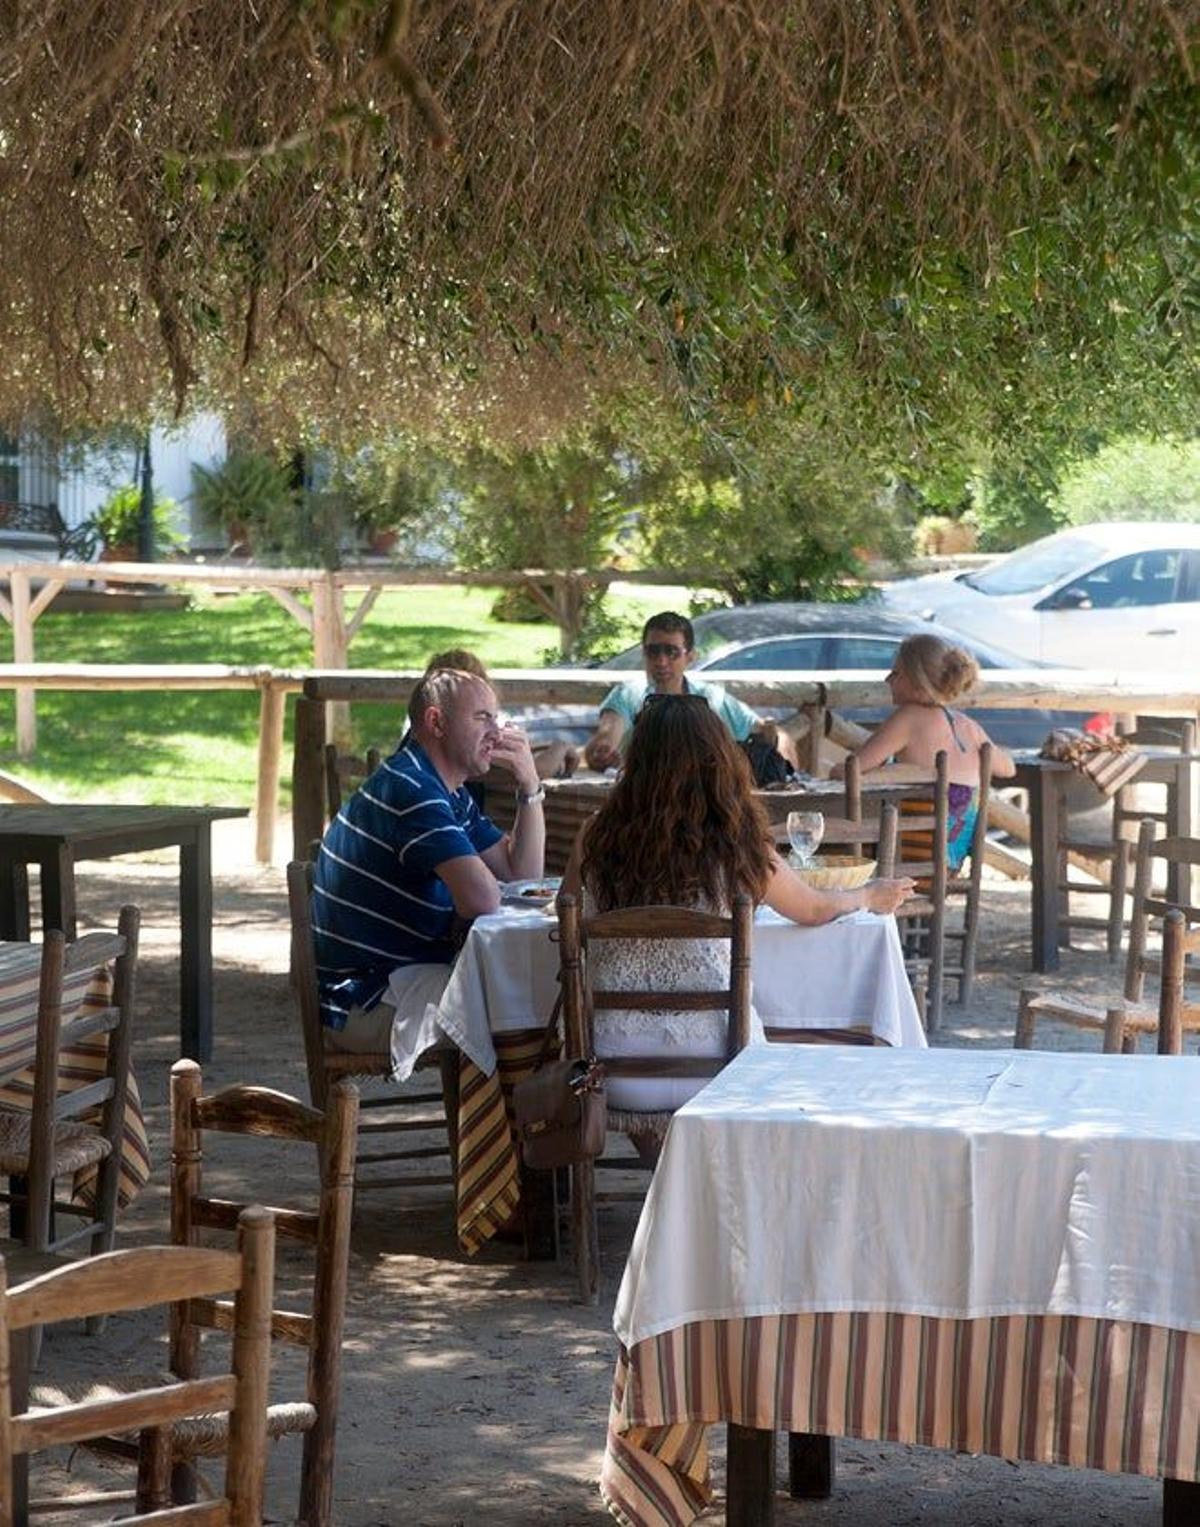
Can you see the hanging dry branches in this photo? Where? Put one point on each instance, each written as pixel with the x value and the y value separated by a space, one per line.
pixel 247 195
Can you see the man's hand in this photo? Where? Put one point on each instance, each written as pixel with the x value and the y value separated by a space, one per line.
pixel 603 750
pixel 602 754
pixel 512 752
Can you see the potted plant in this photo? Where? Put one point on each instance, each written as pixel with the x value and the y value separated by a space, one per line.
pixel 249 495
pixel 118 520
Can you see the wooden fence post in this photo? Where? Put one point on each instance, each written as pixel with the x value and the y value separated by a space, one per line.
pixel 270 750
pixel 308 776
pixel 331 645
pixel 22 629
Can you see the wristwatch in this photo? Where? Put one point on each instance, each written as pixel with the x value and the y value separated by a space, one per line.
pixel 531 800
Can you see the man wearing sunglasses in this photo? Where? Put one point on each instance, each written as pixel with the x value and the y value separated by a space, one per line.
pixel 668 644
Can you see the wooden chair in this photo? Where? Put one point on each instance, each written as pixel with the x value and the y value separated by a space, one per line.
pixel 394 1112
pixel 134 1280
pixel 166 1456
pixel 577 934
pixel 1175 1013
pixel 261 1113
pixel 51 1140
pixel 922 918
pixel 965 888
pixel 1116 854
pixel 1121 1020
pixel 344 772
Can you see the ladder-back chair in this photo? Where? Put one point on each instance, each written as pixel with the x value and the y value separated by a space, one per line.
pixel 133 1280
pixel 395 1112
pixel 580 998
pixel 261 1113
pixel 52 1140
pixel 1122 1019
pixel 964 889
pixel 1175 1013
pixel 922 918
pixel 344 772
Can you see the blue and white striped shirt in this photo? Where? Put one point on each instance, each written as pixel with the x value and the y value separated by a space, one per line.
pixel 377 902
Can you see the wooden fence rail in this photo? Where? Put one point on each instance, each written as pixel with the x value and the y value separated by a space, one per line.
pixel 319 690
pixel 316 598
pixel 814 695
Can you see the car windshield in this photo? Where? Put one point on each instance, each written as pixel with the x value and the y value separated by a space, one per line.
pixel 1034 567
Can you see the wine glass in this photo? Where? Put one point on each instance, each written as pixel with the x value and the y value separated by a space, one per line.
pixel 805 829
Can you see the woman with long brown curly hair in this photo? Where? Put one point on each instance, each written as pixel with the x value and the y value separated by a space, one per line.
pixel 682 827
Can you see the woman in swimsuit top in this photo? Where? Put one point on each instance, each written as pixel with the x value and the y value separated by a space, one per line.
pixel 926 677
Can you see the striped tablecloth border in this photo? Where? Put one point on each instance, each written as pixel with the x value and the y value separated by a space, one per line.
pixel 489 1173
pixel 1099 1394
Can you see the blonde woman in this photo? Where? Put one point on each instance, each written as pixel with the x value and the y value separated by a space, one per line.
pixel 928 675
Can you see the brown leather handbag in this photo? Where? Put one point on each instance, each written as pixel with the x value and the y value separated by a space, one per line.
pixel 560 1110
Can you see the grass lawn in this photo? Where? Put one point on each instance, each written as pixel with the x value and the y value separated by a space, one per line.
pixel 200 747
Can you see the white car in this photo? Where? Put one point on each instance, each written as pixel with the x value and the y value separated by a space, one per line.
pixel 1123 596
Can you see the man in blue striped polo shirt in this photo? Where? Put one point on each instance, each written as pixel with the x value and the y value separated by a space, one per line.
pixel 410 852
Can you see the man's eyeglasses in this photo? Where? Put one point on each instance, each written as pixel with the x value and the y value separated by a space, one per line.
pixel 664 649
pixel 653 698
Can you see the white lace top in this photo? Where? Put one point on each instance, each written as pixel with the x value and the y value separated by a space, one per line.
pixel 697 964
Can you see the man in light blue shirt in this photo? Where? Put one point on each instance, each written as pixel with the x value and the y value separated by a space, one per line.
pixel 668 643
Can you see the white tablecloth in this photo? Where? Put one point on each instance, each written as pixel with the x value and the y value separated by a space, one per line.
pixel 953 1183
pixel 850 972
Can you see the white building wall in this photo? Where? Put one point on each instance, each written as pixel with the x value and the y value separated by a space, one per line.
pixel 173 449
pixel 172 452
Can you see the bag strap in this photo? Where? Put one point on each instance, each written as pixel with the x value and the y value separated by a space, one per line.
pixel 551 1035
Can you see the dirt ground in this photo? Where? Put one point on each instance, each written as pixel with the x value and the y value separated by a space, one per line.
pixel 476 1391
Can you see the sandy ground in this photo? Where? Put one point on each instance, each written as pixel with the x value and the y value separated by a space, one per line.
pixel 477 1391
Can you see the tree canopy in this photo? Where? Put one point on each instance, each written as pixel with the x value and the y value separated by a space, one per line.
pixel 908 225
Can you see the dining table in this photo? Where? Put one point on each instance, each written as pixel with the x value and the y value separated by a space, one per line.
pixel 846 974
pixel 57 837
pixel 980 1250
pixel 1046 781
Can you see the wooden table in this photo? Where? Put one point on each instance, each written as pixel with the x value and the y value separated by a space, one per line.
pixel 57 837
pixel 1046 781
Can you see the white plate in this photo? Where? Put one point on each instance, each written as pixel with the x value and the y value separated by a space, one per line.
pixel 531 893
